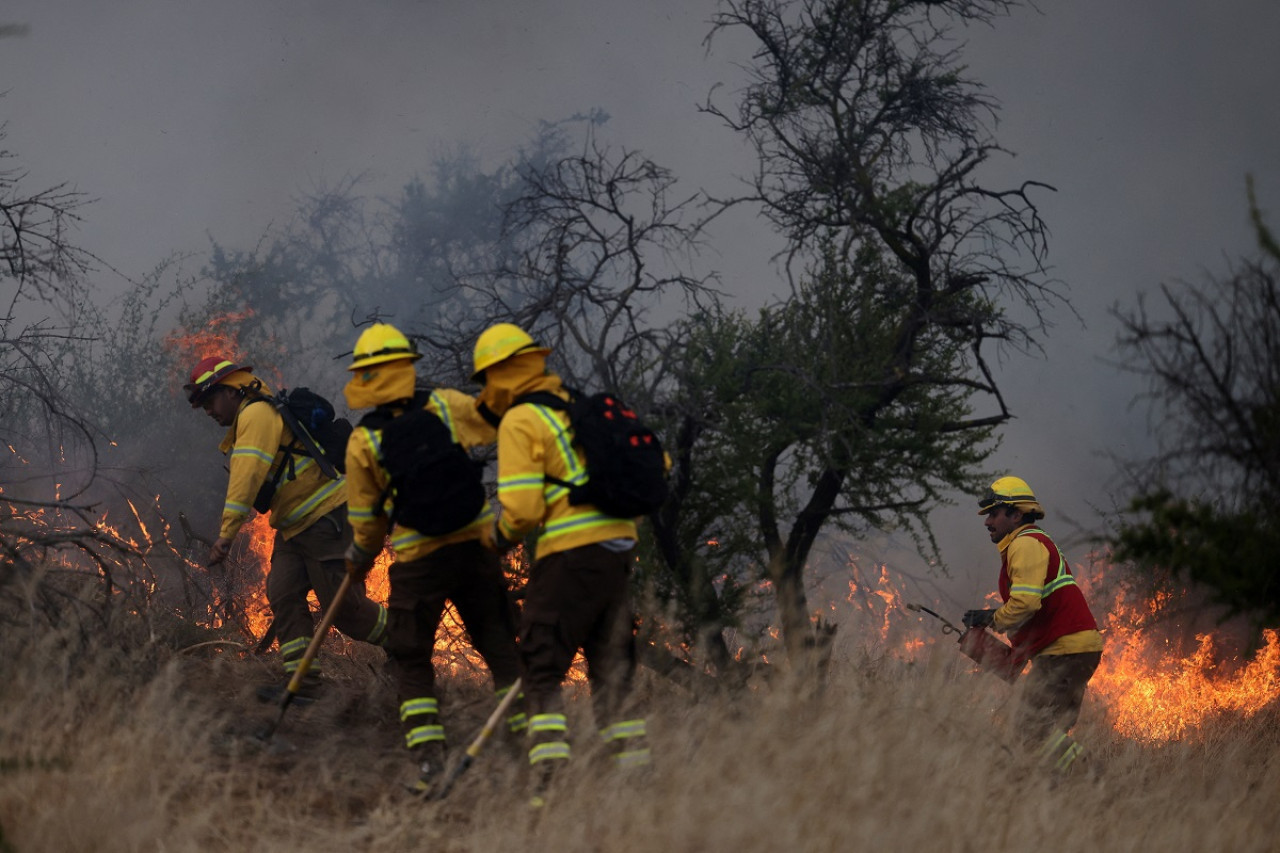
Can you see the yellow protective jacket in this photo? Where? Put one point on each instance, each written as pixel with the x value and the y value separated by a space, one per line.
pixel 253 444
pixel 367 479
pixel 535 442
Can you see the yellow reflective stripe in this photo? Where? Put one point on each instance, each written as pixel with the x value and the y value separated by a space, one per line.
pixel 445 415
pixel 294 647
pixel 1069 756
pixel 563 444
pixel 576 473
pixel 258 453
pixel 633 758
pixel 204 377
pixel 1026 590
pixel 403 538
pixel 423 734
pixel 578 521
pixel 517 722
pixel 623 730
pixel 1063 576
pixel 1058 583
pixel 361 513
pixel 292 666
pixel 236 508
pixel 299 512
pixel 379 627
pixel 556 750
pixel 414 707
pixel 548 723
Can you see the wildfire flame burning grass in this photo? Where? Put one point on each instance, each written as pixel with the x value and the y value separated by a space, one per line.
pixel 119 745
pixel 111 738
pixel 1145 688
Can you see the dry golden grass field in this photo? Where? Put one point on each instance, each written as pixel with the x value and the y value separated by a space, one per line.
pixel 120 736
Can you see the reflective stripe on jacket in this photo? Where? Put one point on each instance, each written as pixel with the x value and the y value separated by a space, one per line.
pixel 1043 604
pixel 253 446
pixel 535 442
pixel 367 479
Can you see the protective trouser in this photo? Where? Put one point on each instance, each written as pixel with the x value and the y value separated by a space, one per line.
pixel 313 560
pixel 472 578
pixel 1054 693
pixel 578 599
pixel 1051 703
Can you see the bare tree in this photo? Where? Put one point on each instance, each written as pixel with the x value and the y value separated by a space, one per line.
pixel 870 142
pixel 1204 507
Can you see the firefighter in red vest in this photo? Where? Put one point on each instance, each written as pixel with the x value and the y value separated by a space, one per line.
pixel 1045 616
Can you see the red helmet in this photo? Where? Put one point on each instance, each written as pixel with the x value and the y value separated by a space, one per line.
pixel 206 374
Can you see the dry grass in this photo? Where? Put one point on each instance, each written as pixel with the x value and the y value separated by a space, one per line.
pixel 131 745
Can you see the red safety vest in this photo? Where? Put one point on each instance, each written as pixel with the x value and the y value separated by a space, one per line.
pixel 1063 609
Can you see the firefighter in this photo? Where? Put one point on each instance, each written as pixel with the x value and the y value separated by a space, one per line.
pixel 577 597
pixel 307 510
pixel 429 569
pixel 1046 617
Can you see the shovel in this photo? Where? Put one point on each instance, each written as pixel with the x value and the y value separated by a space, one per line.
pixel 490 725
pixel 304 665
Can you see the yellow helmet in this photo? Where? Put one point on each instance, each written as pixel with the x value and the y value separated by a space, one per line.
pixel 379 343
pixel 1010 491
pixel 498 343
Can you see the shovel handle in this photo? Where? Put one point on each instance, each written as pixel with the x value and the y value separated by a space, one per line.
pixel 490 725
pixel 326 622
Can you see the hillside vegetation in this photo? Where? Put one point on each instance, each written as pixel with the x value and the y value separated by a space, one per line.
pixel 123 734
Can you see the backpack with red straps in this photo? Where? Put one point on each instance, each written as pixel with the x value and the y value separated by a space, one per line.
pixel 626 465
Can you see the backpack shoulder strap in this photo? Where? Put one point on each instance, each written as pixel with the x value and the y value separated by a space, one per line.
pixel 543 398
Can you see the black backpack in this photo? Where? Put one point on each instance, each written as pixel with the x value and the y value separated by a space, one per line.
pixel 626 466
pixel 435 485
pixel 316 433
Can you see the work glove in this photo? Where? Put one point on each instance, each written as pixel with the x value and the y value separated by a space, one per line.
pixel 978 618
pixel 358 563
pixel 491 538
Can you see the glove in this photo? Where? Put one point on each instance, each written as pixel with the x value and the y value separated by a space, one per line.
pixel 978 618
pixel 357 571
pixel 493 540
pixel 358 562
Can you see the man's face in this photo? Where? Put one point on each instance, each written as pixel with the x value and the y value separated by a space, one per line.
pixel 221 404
pixel 1002 521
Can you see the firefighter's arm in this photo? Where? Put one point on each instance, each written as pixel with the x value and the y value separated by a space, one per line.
pixel 471 428
pixel 1028 566
pixel 365 482
pixel 254 445
pixel 521 473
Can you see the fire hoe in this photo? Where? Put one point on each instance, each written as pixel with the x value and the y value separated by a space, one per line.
pixel 481 739
pixel 304 665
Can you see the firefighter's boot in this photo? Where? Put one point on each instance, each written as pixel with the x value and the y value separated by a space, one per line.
pixel 429 759
pixel 1060 752
pixel 516 726
pixel 548 752
pixel 291 654
pixel 628 744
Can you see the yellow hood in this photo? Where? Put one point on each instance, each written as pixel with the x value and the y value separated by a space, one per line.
pixel 381 384
pixel 515 377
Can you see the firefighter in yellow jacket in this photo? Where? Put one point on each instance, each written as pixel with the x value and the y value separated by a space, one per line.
pixel 307 511
pixel 577 596
pixel 446 563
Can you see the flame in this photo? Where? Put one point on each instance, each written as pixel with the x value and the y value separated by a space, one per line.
pixel 1148 688
pixel 220 335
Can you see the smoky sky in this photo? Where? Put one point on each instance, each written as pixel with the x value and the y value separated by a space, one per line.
pixel 188 120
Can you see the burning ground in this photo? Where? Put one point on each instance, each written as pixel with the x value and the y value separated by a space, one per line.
pixel 124 726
